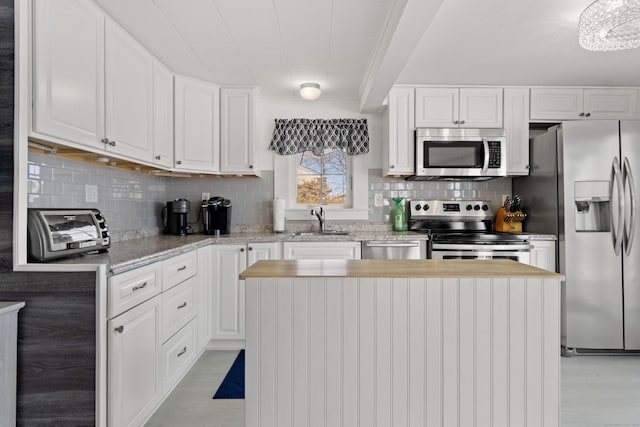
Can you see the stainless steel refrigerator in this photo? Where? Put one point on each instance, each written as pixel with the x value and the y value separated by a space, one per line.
pixel 581 187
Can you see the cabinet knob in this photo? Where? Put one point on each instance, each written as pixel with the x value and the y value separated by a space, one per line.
pixel 461 122
pixel 588 115
pixel 158 157
pixel 527 166
pixel 241 249
pixel 250 248
pixel 581 114
pixel 178 162
pixel 119 329
pixel 455 122
pixel 104 140
pixel 392 166
pixel 250 166
pixel 112 143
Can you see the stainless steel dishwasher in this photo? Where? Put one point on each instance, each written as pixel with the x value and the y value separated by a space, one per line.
pixel 395 249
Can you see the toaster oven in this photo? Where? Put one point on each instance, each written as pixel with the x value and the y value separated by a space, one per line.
pixel 57 233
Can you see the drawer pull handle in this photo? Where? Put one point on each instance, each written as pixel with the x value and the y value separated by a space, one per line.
pixel 119 329
pixel 137 288
pixel 183 351
pixel 184 267
pixel 183 305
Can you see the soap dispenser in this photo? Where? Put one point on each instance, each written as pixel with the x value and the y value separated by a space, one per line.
pixel 398 216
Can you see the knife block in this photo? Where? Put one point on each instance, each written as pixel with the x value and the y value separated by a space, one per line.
pixel 509 222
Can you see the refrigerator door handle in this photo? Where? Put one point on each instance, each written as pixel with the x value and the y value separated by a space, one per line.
pixel 617 233
pixel 630 229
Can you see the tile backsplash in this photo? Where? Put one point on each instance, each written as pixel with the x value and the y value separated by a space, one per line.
pixel 132 201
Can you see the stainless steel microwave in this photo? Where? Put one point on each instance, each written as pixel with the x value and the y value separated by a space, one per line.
pixel 473 154
pixel 56 233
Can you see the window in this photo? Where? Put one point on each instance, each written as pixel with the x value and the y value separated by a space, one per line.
pixel 322 179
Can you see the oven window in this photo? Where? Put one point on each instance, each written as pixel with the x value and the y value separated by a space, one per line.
pixel 457 154
pixel 71 228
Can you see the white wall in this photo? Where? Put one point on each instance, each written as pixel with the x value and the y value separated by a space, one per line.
pixel 270 108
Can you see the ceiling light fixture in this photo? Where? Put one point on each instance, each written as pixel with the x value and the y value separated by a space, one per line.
pixel 610 25
pixel 310 91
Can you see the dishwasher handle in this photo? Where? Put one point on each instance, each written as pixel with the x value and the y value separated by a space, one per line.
pixel 385 244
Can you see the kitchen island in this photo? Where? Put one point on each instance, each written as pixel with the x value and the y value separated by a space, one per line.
pixel 402 343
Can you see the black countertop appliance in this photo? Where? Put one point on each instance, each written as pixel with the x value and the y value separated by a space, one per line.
pixel 216 215
pixel 174 217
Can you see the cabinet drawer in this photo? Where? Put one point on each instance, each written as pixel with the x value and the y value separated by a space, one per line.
pixel 178 307
pixel 177 354
pixel 178 269
pixel 129 289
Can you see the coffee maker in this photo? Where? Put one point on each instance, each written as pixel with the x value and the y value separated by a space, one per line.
pixel 174 217
pixel 216 215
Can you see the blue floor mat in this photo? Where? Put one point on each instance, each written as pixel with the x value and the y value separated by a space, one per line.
pixel 232 386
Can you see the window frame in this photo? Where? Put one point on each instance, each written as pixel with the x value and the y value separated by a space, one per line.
pixel 285 187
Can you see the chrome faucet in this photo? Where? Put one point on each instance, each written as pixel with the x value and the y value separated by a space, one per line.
pixel 319 212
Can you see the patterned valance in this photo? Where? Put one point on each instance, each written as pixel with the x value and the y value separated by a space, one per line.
pixel 292 136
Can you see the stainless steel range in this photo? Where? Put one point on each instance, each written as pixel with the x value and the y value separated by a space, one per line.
pixel 463 229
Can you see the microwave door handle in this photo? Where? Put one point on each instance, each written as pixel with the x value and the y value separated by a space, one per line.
pixel 485 166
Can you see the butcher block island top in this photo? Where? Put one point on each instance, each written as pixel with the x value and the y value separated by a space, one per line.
pixel 395 268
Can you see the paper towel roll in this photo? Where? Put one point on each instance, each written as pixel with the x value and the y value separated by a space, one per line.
pixel 278 215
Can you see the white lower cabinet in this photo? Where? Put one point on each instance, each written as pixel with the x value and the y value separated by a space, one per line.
pixel 543 254
pixel 134 386
pixel 227 297
pixel 322 250
pixel 177 354
pixel 155 316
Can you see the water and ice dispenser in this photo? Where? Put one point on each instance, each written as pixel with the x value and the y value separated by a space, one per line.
pixel 592 206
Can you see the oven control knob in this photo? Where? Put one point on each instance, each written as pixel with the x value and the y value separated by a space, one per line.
pixel 485 207
pixel 476 208
pixel 469 207
pixel 425 207
pixel 418 207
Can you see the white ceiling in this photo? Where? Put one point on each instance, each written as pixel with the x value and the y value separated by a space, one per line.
pixel 359 48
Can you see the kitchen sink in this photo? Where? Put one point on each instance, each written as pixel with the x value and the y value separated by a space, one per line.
pixel 321 233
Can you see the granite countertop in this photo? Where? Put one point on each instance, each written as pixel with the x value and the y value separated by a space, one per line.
pixel 395 268
pixel 129 254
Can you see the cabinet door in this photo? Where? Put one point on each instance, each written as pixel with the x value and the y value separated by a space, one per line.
pixel 260 251
pixel 322 250
pixel 227 321
pixel 134 386
pixel 162 115
pixel 237 130
pixel 516 126
pixel 437 107
pixel 68 67
pixel 616 104
pixel 481 107
pixel 128 95
pixel 543 254
pixel 197 139
pixel 204 285
pixel 556 104
pixel 400 146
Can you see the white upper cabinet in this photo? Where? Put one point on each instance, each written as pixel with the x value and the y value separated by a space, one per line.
pixel 162 115
pixel 197 125
pixel 398 134
pixel 516 126
pixel 237 130
pixel 68 71
pixel 128 95
pixel 459 107
pixel 556 104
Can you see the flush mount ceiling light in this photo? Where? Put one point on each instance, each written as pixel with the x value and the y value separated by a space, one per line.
pixel 610 25
pixel 310 91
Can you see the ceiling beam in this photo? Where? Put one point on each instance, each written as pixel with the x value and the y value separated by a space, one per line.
pixel 407 23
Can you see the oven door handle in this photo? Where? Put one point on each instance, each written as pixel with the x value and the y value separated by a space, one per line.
pixel 485 166
pixel 379 244
pixel 480 248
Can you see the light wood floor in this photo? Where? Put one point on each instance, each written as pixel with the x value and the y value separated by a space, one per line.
pixel 597 391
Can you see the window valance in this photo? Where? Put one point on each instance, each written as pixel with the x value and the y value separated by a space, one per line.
pixel 292 136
